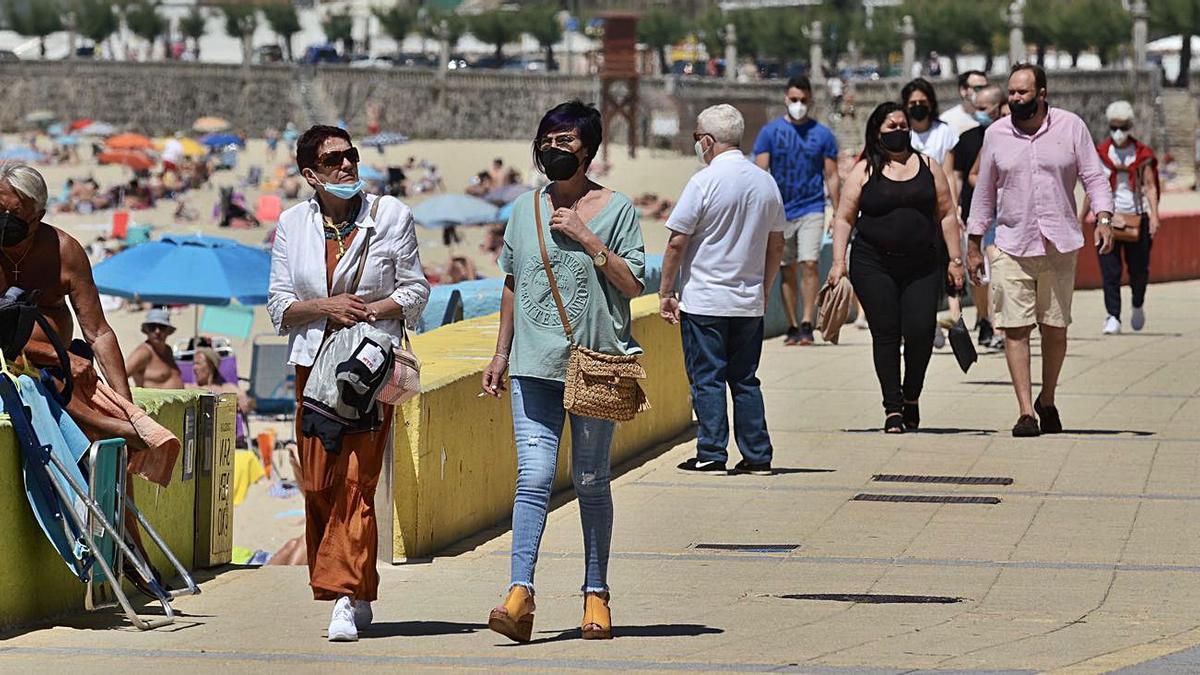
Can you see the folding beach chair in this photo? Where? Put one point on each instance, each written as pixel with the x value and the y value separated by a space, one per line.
pixel 83 516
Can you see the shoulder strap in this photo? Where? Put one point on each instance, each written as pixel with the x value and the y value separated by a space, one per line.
pixel 558 301
pixel 362 261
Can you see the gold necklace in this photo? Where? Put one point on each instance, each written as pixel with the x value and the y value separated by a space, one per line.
pixel 16 263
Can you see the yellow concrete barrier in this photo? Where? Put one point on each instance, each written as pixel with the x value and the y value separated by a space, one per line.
pixel 454 468
pixel 35 584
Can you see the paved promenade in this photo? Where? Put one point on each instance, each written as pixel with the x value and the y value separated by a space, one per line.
pixel 1089 562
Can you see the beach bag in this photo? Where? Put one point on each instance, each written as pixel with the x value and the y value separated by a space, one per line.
pixel 404 380
pixel 18 315
pixel 1127 227
pixel 604 386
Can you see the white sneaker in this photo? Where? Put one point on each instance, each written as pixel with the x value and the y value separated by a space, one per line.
pixel 363 616
pixel 1112 325
pixel 861 322
pixel 341 624
pixel 939 338
pixel 1137 320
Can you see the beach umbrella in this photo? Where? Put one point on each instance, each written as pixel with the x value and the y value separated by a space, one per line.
pixel 220 140
pixel 138 161
pixel 370 173
pixel 505 212
pixel 80 124
pixel 386 138
pixel 454 209
pixel 65 140
pixel 208 125
pixel 185 270
pixel 129 142
pixel 191 147
pixel 39 116
pixel 20 154
pixel 56 129
pixel 98 129
pixel 506 193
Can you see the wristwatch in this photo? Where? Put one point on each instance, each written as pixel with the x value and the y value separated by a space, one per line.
pixel 601 258
pixel 957 262
pixel 1104 221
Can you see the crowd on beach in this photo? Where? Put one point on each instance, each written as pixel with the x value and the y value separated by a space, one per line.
pixel 938 204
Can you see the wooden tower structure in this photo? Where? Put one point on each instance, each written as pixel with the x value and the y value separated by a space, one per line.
pixel 619 75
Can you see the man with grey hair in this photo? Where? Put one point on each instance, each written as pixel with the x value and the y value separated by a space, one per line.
pixel 724 250
pixel 35 256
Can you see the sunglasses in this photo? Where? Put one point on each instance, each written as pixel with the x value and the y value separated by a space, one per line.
pixel 333 160
pixel 1125 127
pixel 564 141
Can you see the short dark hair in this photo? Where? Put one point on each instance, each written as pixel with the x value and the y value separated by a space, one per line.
pixel 571 116
pixel 310 142
pixel 922 85
pixel 1039 73
pixel 800 82
pixel 965 77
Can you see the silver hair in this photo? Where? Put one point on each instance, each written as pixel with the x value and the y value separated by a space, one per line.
pixel 1119 110
pixel 723 122
pixel 27 181
pixel 991 91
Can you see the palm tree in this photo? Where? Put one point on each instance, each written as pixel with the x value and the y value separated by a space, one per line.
pixel 541 22
pixel 660 29
pixel 194 26
pixel 145 22
pixel 39 19
pixel 285 22
pixel 497 28
pixel 240 23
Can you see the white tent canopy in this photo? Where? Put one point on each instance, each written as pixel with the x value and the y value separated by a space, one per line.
pixel 1172 44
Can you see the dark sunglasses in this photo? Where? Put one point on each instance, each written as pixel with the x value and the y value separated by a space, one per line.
pixel 333 160
pixel 1125 127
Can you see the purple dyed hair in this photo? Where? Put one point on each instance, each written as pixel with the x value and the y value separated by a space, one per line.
pixel 571 116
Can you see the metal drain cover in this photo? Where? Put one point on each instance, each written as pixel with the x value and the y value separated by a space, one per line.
pixel 874 598
pixel 946 480
pixel 747 548
pixel 927 499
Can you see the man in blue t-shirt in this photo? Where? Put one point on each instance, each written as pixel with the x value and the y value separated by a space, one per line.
pixel 802 156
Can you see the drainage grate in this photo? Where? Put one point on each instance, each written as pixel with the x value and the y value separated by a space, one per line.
pixel 926 499
pixel 950 480
pixel 747 548
pixel 875 598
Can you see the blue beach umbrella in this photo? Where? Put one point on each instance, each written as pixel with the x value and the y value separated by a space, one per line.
pixel 20 154
pixel 185 270
pixel 386 138
pixel 454 209
pixel 370 173
pixel 220 140
pixel 505 212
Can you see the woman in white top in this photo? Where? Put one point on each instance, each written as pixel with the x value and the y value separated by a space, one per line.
pixel 315 258
pixel 929 135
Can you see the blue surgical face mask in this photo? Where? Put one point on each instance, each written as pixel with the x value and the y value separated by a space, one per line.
pixel 344 190
pixel 983 118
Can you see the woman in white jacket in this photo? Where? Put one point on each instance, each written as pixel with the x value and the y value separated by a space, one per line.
pixel 318 246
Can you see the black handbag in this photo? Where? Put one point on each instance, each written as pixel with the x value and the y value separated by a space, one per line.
pixel 962 345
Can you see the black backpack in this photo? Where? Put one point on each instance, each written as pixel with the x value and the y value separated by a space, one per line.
pixel 18 314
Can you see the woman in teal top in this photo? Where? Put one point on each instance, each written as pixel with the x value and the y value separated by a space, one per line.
pixel 594 243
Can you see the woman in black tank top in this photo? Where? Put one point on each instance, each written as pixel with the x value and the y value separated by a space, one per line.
pixel 899 204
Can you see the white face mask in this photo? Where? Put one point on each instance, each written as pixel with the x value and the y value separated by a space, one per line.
pixel 797 110
pixel 1119 136
pixel 700 151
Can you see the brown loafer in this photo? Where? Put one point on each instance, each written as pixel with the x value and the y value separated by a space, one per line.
pixel 514 619
pixel 1026 427
pixel 597 620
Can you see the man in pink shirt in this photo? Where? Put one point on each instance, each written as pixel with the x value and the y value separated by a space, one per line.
pixel 1028 169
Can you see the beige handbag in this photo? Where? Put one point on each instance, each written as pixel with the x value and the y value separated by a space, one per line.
pixel 598 385
pixel 404 380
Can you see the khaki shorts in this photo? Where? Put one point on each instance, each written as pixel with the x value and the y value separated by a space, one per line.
pixel 803 239
pixel 1034 289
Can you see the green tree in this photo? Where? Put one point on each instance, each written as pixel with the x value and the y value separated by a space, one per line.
pixel 285 22
pixel 1177 17
pixel 1073 26
pixel 39 19
pixel 194 25
pixel 95 20
pixel 951 26
pixel 240 23
pixel 882 39
pixel 339 27
pixel 145 22
pixel 398 22
pixel 660 29
pixel 541 23
pixel 496 28
pixel 429 24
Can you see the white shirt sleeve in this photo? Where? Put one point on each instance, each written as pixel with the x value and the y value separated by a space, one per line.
pixel 687 213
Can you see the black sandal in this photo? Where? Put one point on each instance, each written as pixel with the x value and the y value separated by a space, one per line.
pixel 894 424
pixel 912 415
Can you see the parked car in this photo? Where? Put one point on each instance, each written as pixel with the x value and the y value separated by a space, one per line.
pixel 8 56
pixel 325 53
pixel 528 65
pixel 268 54
pixel 415 60
pixel 366 61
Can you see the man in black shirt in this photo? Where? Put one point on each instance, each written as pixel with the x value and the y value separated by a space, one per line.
pixel 987 110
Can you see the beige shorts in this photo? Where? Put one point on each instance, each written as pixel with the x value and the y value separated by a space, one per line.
pixel 1034 289
pixel 803 239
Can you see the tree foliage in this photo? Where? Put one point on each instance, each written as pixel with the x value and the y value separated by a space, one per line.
pixel 1177 17
pixel 95 20
pixel 429 24
pixel 398 22
pixel 339 27
pixel 240 22
pixel 950 27
pixel 1073 26
pixel 39 19
pixel 284 22
pixel 144 21
pixel 660 29
pixel 496 28
pixel 541 23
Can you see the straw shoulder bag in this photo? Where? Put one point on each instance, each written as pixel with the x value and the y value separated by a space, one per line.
pixel 598 385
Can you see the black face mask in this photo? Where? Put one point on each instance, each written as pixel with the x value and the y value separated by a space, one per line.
pixel 1023 110
pixel 919 112
pixel 894 141
pixel 559 164
pixel 13 230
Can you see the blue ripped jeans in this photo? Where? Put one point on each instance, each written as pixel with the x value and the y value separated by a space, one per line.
pixel 537 424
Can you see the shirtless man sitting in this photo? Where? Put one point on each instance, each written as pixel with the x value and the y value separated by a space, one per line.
pixel 35 256
pixel 152 363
